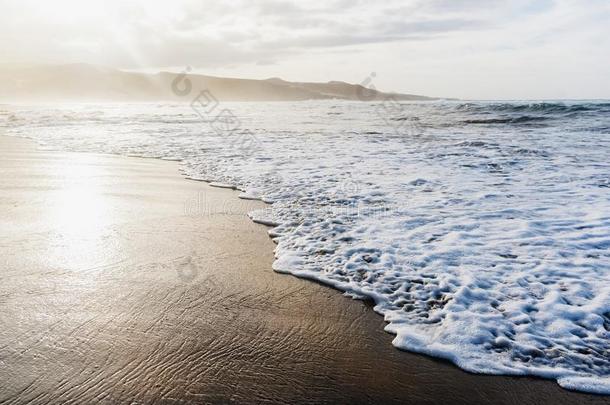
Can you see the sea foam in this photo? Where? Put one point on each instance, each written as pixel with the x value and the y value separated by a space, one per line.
pixel 480 230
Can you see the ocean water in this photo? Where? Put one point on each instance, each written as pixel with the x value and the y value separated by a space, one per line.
pixel 480 229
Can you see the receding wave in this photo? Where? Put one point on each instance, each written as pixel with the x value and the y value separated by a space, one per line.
pixel 488 245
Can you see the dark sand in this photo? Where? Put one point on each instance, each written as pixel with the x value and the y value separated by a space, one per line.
pixel 110 292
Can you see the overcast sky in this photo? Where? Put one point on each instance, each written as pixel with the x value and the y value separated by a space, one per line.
pixel 480 49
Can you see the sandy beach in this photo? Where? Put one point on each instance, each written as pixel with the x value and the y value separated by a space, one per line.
pixel 122 282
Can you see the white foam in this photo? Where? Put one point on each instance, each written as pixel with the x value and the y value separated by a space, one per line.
pixel 485 244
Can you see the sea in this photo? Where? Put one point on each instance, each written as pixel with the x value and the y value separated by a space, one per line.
pixel 479 229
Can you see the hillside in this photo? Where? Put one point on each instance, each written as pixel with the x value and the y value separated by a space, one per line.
pixel 81 82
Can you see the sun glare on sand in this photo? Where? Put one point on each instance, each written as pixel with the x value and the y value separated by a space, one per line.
pixel 79 210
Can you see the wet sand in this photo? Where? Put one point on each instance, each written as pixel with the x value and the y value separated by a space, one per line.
pixel 120 281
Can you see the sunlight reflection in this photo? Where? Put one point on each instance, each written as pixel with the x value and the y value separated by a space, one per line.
pixel 79 212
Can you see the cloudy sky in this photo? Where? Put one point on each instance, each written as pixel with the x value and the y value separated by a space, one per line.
pixel 480 49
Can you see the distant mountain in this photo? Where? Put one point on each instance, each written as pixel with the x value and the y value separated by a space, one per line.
pixel 82 82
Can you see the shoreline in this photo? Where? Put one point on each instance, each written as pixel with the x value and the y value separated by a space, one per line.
pixel 127 297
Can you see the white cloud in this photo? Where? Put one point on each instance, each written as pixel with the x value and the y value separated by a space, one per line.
pixel 461 48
